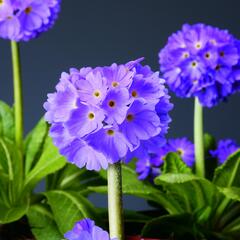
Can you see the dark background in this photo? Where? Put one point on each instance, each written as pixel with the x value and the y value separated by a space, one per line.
pixel 92 33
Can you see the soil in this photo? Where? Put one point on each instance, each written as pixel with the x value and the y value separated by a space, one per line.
pixel 18 230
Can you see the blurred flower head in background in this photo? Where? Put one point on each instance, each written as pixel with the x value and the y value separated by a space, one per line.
pixel 201 61
pixel 100 115
pixel 225 148
pixel 150 156
pixel 22 20
pixel 87 230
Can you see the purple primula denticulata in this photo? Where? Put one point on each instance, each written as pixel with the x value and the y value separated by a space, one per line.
pixel 201 61
pixel 100 115
pixel 151 155
pixel 87 230
pixel 225 148
pixel 26 19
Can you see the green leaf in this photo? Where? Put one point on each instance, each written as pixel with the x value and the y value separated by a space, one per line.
pixel 228 174
pixel 191 192
pixel 232 192
pixel 42 223
pixel 68 208
pixel 6 121
pixel 131 185
pixel 72 178
pixel 174 164
pixel 49 162
pixel 34 144
pixel 166 226
pixel 11 169
pixel 14 212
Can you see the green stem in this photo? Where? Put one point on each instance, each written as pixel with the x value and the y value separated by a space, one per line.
pixel 18 102
pixel 198 139
pixel 115 208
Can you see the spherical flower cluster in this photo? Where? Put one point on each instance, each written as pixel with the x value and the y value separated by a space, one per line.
pixel 100 115
pixel 86 230
pixel 151 159
pixel 201 61
pixel 22 20
pixel 225 148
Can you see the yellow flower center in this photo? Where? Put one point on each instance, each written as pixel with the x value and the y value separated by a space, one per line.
pixel 97 93
pixel 1 2
pixel 91 116
pixel 194 64
pixel 198 45
pixel 115 84
pixel 111 104
pixel 134 93
pixel 130 117
pixel 180 151
pixel 207 55
pixel 185 55
pixel 28 10
pixel 110 132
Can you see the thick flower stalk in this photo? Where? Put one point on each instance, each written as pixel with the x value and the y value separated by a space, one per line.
pixel 87 230
pixel 22 20
pixel 203 62
pixel 98 116
pixel 151 155
pixel 224 149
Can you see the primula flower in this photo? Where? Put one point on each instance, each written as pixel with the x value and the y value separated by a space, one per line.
pixel 26 19
pixel 201 61
pixel 224 149
pixel 184 148
pixel 95 121
pixel 151 155
pixel 87 230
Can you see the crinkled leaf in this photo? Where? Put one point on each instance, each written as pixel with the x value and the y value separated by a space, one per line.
pixel 34 144
pixel 174 164
pixel 228 174
pixel 42 223
pixel 6 121
pixel 49 162
pixel 68 208
pixel 232 193
pixel 192 192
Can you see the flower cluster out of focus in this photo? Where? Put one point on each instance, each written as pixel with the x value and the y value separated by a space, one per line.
pixel 99 116
pixel 22 20
pixel 151 157
pixel 224 149
pixel 87 230
pixel 201 61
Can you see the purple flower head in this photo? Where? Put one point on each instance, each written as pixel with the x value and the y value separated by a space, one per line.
pixel 224 149
pixel 24 20
pixel 201 61
pixel 86 230
pixel 94 119
pixel 184 148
